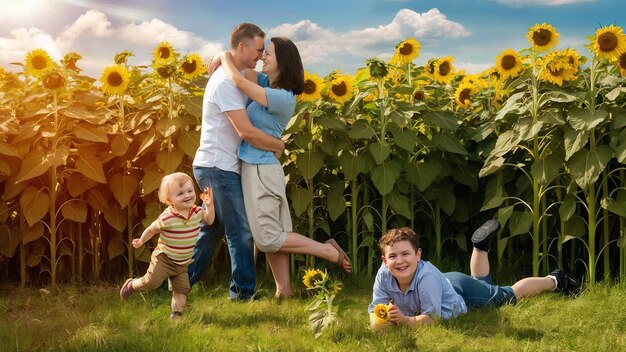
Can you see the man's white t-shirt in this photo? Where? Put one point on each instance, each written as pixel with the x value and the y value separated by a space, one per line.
pixel 218 138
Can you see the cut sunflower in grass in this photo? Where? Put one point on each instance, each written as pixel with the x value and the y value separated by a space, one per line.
pixel 509 64
pixel 463 94
pixel 444 71
pixel 311 276
pixel 115 80
pixel 340 89
pixel 609 42
pixel 542 37
pixel 163 52
pixel 406 52
pixel 192 66
pixel 381 313
pixel 621 63
pixel 313 86
pixel 38 62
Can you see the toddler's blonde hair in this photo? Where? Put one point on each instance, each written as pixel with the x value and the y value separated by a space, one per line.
pixel 168 182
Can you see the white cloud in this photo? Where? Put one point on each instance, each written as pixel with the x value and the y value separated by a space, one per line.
pixel 528 3
pixel 320 45
pixel 155 31
pixel 91 22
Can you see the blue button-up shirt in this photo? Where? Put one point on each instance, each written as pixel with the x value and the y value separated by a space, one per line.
pixel 429 293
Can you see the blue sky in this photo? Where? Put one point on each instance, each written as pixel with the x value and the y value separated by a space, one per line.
pixel 339 34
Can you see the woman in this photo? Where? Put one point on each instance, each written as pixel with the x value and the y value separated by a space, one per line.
pixel 273 93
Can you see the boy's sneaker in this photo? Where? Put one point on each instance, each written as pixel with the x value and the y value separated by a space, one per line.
pixel 175 315
pixel 564 283
pixel 127 289
pixel 481 239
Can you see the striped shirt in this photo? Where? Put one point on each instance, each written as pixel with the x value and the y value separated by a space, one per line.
pixel 179 233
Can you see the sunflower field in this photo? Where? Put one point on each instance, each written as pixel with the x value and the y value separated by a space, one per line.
pixel 536 141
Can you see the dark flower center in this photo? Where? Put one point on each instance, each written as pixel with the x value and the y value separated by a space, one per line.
pixel 164 53
pixel 189 67
pixel 309 87
pixel 406 49
pixel 419 95
pixel 607 41
pixel 39 62
pixel 464 95
pixel 444 68
pixel 53 81
pixel 508 62
pixel 115 79
pixel 542 37
pixel 340 89
pixel 622 61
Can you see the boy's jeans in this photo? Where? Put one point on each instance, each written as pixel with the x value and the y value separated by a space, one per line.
pixel 230 217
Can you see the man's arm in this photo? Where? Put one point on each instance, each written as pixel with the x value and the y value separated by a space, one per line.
pixel 257 138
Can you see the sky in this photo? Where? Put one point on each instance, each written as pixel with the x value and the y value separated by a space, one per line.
pixel 330 35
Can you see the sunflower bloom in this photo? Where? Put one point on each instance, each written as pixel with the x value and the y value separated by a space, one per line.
pixel 557 68
pixel 340 88
pixel 542 37
pixel 38 62
pixel 312 276
pixel 509 64
pixel 444 71
pixel 609 42
pixel 313 86
pixel 163 52
pixel 381 313
pixel 192 67
pixel 69 61
pixel 406 51
pixel 115 80
pixel 336 287
pixel 52 80
pixel 621 63
pixel 463 93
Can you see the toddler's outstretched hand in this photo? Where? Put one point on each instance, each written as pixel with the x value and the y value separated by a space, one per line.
pixel 207 197
pixel 137 243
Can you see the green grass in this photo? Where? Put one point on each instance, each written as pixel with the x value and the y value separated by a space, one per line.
pixel 95 319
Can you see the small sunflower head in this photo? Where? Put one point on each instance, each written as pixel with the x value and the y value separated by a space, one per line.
pixel 463 94
pixel 163 53
pixel 621 63
pixel 542 37
pixel 509 64
pixel 313 276
pixel 115 80
pixel 52 80
pixel 406 51
pixel 609 42
pixel 69 61
pixel 443 70
pixel 313 86
pixel 381 313
pixel 192 67
pixel 340 88
pixel 38 62
pixel 377 68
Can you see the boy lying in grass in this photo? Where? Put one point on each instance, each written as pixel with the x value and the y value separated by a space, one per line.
pixel 408 290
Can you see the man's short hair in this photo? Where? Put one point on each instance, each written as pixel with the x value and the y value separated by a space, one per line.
pixel 244 31
pixel 394 236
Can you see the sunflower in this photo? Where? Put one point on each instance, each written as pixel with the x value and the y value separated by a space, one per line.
pixel 557 68
pixel 406 51
pixel 313 86
pixel 542 37
pixel 52 80
pixel 115 80
pixel 340 89
pixel 335 288
pixel 463 93
pixel 38 62
pixel 69 61
pixel 509 64
pixel 572 58
pixel 192 67
pixel 381 313
pixel 609 42
pixel 311 277
pixel 444 71
pixel 163 52
pixel 621 63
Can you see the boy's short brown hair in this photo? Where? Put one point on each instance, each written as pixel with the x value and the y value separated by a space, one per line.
pixel 244 31
pixel 394 236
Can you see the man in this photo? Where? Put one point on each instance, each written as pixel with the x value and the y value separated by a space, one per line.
pixel 224 124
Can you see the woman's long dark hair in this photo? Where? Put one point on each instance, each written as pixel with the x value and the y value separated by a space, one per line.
pixel 291 71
